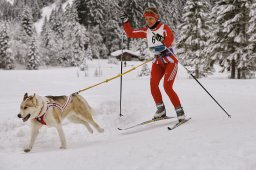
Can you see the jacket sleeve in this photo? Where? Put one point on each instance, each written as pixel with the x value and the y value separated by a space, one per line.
pixel 169 37
pixel 134 33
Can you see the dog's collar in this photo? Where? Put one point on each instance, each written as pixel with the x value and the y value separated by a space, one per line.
pixel 40 117
pixel 43 109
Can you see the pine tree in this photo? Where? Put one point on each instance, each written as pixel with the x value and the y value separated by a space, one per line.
pixel 75 38
pixel 150 3
pixel 88 52
pixel 18 40
pixel 134 11
pixel 50 45
pixel 110 27
pixel 70 14
pixel 96 42
pixel 194 31
pixel 33 59
pixel 80 39
pixel 6 58
pixel 56 21
pixel 23 35
pixel 252 37
pixel 173 18
pixel 90 12
pixel 6 10
pixel 230 39
pixel 27 21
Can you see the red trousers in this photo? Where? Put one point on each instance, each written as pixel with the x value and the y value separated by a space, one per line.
pixel 169 71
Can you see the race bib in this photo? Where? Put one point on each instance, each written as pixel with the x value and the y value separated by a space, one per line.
pixel 155 46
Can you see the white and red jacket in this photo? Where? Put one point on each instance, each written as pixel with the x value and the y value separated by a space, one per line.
pixel 161 29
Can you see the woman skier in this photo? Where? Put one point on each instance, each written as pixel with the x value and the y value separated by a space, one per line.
pixel 159 37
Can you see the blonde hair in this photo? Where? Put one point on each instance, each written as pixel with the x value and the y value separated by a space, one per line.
pixel 151 10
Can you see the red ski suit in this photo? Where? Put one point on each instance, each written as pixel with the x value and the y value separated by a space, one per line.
pixel 164 65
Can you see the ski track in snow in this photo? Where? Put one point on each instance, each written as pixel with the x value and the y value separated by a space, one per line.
pixel 209 141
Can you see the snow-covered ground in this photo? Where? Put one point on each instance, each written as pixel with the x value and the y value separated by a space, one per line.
pixel 209 141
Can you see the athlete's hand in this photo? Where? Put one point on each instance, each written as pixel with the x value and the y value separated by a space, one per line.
pixel 124 17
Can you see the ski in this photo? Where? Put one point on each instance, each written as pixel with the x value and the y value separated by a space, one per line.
pixel 178 124
pixel 146 122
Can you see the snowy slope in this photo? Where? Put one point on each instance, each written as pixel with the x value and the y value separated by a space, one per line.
pixel 209 141
pixel 46 12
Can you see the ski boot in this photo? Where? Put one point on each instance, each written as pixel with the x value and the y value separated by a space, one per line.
pixel 161 112
pixel 180 113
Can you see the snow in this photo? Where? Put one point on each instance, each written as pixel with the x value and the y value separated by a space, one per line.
pixel 46 12
pixel 11 1
pixel 66 3
pixel 209 141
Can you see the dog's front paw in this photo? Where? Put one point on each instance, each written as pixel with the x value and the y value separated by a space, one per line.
pixel 27 150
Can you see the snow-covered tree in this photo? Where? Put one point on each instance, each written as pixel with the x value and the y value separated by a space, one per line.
pixel 33 59
pixel 34 5
pixel 88 52
pixel 96 43
pixel 74 44
pixel 6 57
pixel 193 36
pixel 75 39
pixel 134 11
pixel 27 21
pixel 252 36
pixel 111 25
pixel 65 42
pixel 145 71
pixel 175 8
pixel 70 14
pixel 50 45
pixel 90 12
pixel 22 33
pixel 56 21
pixel 229 39
pixel 6 10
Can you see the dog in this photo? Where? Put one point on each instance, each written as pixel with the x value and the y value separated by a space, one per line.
pixel 51 110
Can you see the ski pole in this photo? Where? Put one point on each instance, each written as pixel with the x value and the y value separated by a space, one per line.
pixel 189 72
pixel 121 78
pixel 206 91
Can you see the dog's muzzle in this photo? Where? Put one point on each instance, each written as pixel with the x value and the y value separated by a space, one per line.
pixel 25 118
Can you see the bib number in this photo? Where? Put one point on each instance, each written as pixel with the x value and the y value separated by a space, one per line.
pixel 153 39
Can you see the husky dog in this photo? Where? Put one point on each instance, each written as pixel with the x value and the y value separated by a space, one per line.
pixel 51 110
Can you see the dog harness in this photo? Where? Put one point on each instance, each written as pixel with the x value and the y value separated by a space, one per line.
pixel 41 117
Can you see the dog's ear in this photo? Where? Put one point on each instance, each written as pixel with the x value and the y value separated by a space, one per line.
pixel 25 96
pixel 34 99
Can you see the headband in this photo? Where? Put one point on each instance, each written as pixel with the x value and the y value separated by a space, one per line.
pixel 150 14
